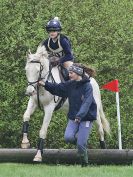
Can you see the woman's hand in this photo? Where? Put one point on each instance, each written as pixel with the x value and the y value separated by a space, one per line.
pixel 41 83
pixel 77 119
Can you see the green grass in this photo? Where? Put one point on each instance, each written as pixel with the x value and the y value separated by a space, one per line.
pixel 29 170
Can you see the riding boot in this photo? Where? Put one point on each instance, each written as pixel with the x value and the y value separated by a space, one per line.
pixel 40 145
pixel 84 159
pixel 65 73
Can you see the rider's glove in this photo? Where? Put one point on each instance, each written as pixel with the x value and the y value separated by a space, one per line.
pixel 54 63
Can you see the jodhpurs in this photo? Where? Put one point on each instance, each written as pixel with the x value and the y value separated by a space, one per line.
pixel 78 133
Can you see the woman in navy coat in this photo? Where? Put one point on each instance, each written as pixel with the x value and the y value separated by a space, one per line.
pixel 82 108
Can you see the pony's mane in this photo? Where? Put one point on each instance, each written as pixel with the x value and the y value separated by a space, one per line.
pixel 41 50
pixel 40 54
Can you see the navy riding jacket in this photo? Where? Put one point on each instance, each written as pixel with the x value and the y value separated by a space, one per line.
pixel 61 48
pixel 80 97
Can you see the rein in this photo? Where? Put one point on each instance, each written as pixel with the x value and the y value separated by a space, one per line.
pixel 53 80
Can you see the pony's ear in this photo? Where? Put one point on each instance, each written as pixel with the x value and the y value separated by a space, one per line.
pixel 27 54
pixel 29 51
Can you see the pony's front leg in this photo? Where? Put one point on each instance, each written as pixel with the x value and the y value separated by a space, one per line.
pixel 26 117
pixel 43 132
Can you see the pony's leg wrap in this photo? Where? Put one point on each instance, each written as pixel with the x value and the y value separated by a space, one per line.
pixel 40 145
pixel 102 144
pixel 25 127
pixel 25 142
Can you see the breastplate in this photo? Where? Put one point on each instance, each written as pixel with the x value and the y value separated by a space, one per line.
pixel 56 52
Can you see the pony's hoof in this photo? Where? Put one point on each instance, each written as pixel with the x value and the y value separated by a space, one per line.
pixel 37 159
pixel 25 145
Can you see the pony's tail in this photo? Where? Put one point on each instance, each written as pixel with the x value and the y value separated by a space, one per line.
pixel 105 123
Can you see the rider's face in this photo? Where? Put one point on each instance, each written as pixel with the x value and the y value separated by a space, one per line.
pixel 53 34
pixel 74 76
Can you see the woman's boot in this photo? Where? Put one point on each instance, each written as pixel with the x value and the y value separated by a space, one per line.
pixel 84 159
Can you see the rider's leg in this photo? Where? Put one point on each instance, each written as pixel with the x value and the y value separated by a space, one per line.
pixel 64 69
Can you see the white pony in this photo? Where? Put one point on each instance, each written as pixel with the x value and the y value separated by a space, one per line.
pixel 37 68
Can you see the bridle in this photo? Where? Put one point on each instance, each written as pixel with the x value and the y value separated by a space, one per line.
pixel 40 74
pixel 35 83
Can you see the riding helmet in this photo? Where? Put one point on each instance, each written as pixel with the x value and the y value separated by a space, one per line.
pixel 54 25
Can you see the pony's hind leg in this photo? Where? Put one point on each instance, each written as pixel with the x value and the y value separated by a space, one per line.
pixel 101 132
pixel 26 117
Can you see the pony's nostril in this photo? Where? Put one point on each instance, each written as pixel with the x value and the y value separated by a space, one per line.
pixel 33 92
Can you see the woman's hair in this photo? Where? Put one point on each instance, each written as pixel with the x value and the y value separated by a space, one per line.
pixel 91 72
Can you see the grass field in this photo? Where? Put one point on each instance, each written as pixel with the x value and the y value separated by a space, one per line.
pixel 31 170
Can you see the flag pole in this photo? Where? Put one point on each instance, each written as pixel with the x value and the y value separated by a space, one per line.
pixel 118 119
pixel 114 87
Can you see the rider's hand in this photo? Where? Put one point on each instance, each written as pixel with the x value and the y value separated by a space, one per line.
pixel 54 63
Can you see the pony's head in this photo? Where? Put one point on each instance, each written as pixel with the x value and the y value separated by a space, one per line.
pixel 36 67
